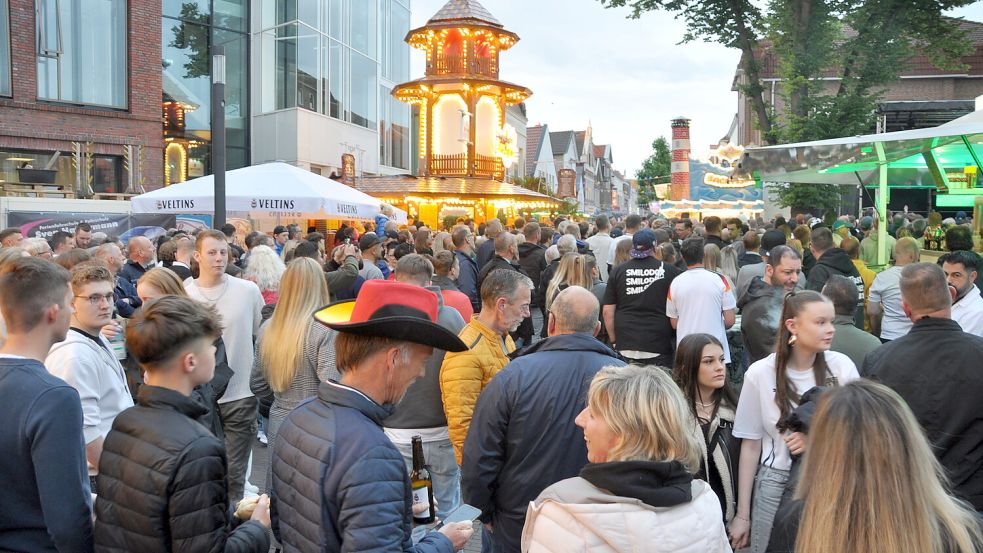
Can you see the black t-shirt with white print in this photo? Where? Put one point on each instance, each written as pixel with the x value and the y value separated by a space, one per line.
pixel 639 287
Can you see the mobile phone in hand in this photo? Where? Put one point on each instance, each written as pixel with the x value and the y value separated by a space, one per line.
pixel 464 513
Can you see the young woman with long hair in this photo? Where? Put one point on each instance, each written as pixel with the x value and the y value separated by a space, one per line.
pixel 701 374
pixel 294 354
pixel 571 272
pixel 621 250
pixel 871 483
pixel 772 388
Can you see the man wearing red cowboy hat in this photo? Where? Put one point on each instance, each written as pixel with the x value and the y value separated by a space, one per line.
pixel 338 482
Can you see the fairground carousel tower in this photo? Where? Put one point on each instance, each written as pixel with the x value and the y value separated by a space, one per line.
pixel 465 146
pixel 461 99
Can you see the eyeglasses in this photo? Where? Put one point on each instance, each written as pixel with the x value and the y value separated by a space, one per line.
pixel 95 299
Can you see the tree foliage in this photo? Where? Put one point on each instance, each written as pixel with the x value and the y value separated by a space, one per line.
pixel 656 169
pixel 818 199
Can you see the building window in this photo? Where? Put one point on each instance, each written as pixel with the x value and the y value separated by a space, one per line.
pixel 4 49
pixel 363 18
pixel 394 131
pixel 107 171
pixel 395 54
pixel 82 51
pixel 364 101
pixel 189 30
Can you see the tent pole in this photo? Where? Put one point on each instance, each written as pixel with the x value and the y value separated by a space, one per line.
pixel 882 199
pixel 972 152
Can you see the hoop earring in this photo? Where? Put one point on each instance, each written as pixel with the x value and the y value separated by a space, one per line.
pixel 792 340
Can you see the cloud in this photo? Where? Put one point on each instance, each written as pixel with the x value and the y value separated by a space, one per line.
pixel 629 78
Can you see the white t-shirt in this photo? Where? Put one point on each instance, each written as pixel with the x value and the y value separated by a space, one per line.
pixel 240 304
pixel 698 298
pixel 886 290
pixel 757 412
pixel 600 246
pixel 968 312
pixel 614 247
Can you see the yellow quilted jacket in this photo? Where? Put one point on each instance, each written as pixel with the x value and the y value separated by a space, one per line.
pixel 464 375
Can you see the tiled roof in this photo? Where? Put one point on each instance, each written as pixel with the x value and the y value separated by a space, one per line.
pixel 534 145
pixel 464 10
pixel 407 185
pixel 599 150
pixel 560 140
pixel 580 136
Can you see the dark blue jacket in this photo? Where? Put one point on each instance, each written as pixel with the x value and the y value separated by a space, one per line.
pixel 522 437
pixel 126 298
pixel 339 484
pixel 132 272
pixel 46 500
pixel 467 278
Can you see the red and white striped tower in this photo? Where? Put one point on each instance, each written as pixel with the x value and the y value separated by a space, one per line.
pixel 680 159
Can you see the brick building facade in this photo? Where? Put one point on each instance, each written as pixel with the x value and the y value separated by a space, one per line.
pixel 923 96
pixel 34 127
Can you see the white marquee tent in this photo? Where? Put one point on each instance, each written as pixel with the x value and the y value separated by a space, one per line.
pixel 266 190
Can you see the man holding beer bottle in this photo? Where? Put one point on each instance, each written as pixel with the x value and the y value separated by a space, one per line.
pixel 339 484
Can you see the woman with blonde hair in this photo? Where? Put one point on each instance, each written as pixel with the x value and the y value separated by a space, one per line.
pixel 442 242
pixel 572 271
pixel 871 483
pixel 638 492
pixel 729 262
pixel 772 389
pixel 293 353
pixel 265 268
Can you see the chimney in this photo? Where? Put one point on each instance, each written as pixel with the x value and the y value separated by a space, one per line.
pixel 680 159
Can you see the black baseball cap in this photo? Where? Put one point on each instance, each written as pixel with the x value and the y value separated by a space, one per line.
pixel 368 240
pixel 642 243
pixel 772 239
pixel 279 229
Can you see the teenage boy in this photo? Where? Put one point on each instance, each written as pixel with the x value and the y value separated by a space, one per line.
pixel 85 359
pixel 162 473
pixel 46 500
pixel 240 304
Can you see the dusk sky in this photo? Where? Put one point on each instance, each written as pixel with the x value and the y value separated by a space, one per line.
pixel 629 78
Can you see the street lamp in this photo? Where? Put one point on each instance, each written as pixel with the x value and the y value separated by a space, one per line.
pixel 218 133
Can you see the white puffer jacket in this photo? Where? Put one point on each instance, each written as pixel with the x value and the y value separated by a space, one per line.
pixel 574 516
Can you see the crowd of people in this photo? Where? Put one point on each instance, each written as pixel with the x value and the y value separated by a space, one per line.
pixel 639 384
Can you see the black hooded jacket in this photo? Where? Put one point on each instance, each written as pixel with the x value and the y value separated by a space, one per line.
pixel 532 257
pixel 834 261
pixel 761 307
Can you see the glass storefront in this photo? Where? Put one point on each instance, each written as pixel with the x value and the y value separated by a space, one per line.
pixel 107 171
pixel 325 55
pixel 189 30
pixel 81 51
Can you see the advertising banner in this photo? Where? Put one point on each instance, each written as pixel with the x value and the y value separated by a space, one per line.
pixel 43 224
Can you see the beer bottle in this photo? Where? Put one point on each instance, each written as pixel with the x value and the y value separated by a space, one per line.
pixel 422 485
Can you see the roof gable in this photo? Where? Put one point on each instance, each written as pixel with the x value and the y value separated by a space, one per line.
pixel 535 138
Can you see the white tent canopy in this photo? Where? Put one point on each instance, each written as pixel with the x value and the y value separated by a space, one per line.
pixel 265 190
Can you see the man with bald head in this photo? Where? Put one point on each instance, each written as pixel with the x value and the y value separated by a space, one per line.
pixel 887 318
pixel 522 437
pixel 141 258
pixel 936 369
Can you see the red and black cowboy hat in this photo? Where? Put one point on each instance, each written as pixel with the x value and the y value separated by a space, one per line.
pixel 391 310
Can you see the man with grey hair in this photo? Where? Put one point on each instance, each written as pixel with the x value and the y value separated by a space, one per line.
pixel 421 411
pixel 507 258
pixel 848 340
pixel 505 297
pixel 124 292
pixel 37 247
pixel 935 368
pixel 523 438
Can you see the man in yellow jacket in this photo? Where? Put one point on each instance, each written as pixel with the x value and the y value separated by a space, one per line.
pixel 505 297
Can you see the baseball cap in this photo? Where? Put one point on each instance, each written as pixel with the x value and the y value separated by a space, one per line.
pixel 840 223
pixel 772 239
pixel 642 243
pixel 866 222
pixel 368 240
pixel 279 229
